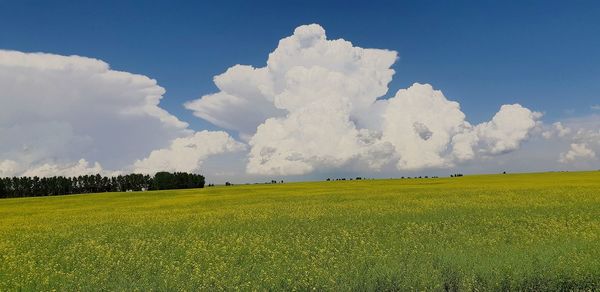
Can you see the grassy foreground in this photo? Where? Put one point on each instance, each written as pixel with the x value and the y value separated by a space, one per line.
pixel 518 232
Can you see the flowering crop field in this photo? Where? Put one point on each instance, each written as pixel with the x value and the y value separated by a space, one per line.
pixel 486 232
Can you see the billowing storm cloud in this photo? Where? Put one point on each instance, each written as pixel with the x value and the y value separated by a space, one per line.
pixel 70 115
pixel 319 104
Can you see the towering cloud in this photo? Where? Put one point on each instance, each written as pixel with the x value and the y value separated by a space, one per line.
pixel 326 88
pixel 316 104
pixel 321 106
pixel 63 115
pixel 421 123
pixel 244 102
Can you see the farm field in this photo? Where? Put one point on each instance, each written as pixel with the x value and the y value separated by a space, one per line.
pixel 487 232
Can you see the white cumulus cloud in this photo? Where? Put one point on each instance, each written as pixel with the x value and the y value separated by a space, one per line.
pixel 580 139
pixel 430 131
pixel 321 107
pixel 64 115
pixel 244 101
pixel 188 153
pixel 507 129
pixel 557 129
pixel 577 151
pixel 421 123
pixel 316 104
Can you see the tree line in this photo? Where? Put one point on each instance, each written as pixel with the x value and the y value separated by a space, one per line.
pixel 13 187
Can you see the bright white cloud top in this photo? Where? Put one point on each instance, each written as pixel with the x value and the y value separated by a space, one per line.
pixel 320 109
pixel 317 105
pixel 59 112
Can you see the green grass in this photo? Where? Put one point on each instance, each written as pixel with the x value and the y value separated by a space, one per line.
pixel 489 232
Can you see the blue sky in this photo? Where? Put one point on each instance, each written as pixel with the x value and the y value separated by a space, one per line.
pixel 542 54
